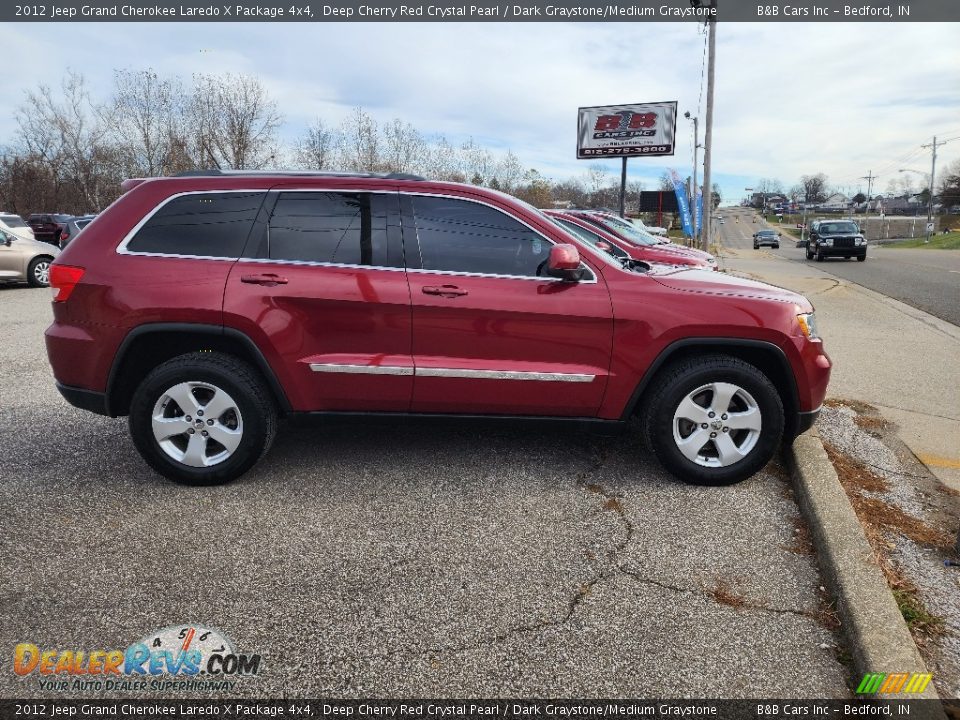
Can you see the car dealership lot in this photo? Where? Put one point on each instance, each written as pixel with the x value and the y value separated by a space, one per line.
pixel 404 560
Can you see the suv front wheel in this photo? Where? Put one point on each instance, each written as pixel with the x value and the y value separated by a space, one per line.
pixel 202 418
pixel 714 420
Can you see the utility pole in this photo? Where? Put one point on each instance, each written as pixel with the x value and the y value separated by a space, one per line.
pixel 869 177
pixel 933 170
pixel 708 133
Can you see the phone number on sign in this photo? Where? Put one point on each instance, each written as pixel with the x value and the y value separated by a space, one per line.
pixel 633 150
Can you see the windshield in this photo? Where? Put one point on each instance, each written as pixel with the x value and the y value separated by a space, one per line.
pixel 627 232
pixel 13 221
pixel 837 227
pixel 588 237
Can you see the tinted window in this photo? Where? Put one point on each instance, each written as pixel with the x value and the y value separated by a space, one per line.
pixel 348 228
pixel 208 224
pixel 464 236
pixel 12 221
pixel 837 227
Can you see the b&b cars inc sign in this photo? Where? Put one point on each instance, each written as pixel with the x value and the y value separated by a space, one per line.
pixel 626 130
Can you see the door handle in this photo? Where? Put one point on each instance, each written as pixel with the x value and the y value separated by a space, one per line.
pixel 443 290
pixel 268 279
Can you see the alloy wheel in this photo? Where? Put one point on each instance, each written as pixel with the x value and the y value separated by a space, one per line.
pixel 717 425
pixel 197 424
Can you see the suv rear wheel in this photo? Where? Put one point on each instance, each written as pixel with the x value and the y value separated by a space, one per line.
pixel 714 420
pixel 203 418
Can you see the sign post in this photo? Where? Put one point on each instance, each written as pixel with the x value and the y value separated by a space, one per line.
pixel 640 129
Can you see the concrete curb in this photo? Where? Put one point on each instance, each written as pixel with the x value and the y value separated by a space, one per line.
pixel 877 633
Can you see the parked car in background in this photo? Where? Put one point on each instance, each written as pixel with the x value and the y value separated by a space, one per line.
pixel 836 238
pixel 47 227
pixel 618 247
pixel 205 307
pixel 763 238
pixel 16 225
pixel 71 227
pixel 627 232
pixel 25 260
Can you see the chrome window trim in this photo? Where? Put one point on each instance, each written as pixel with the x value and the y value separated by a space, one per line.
pixel 452 373
pixel 122 247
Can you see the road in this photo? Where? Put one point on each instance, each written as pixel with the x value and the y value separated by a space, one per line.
pixel 885 352
pixel 926 279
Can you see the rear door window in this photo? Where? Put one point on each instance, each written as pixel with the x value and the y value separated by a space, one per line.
pixel 344 228
pixel 200 224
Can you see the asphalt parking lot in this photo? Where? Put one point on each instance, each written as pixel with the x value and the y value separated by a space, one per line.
pixel 404 560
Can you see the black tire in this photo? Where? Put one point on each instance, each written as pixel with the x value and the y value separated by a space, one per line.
pixel 776 247
pixel 242 384
pixel 676 382
pixel 756 247
pixel 39 279
pixel 819 256
pixel 809 254
pixel 861 258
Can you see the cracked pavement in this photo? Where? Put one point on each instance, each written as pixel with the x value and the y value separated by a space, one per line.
pixel 417 560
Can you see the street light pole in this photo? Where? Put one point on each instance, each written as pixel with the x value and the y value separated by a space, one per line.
pixel 693 193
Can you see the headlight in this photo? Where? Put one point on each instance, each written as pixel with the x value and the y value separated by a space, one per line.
pixel 859 241
pixel 827 241
pixel 808 324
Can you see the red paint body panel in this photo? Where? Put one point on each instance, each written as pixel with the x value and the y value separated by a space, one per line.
pixel 328 315
pixel 514 325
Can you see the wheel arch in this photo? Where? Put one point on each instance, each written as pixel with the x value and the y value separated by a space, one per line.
pixel 767 357
pixel 147 346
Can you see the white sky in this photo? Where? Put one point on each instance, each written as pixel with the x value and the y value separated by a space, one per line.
pixel 791 99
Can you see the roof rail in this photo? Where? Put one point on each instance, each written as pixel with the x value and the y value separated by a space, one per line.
pixel 300 173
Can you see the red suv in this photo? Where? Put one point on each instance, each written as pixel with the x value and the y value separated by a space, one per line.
pixel 597 236
pixel 208 306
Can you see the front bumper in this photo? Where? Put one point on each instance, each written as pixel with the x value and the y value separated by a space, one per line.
pixel 855 251
pixel 805 420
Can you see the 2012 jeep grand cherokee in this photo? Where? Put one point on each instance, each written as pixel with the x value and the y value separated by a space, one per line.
pixel 209 305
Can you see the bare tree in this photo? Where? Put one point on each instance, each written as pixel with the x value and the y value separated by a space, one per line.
pixel 359 142
pixel 316 150
pixel 68 135
pixel 147 117
pixel 402 147
pixel 814 187
pixel 478 163
pixel 509 171
pixel 233 122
